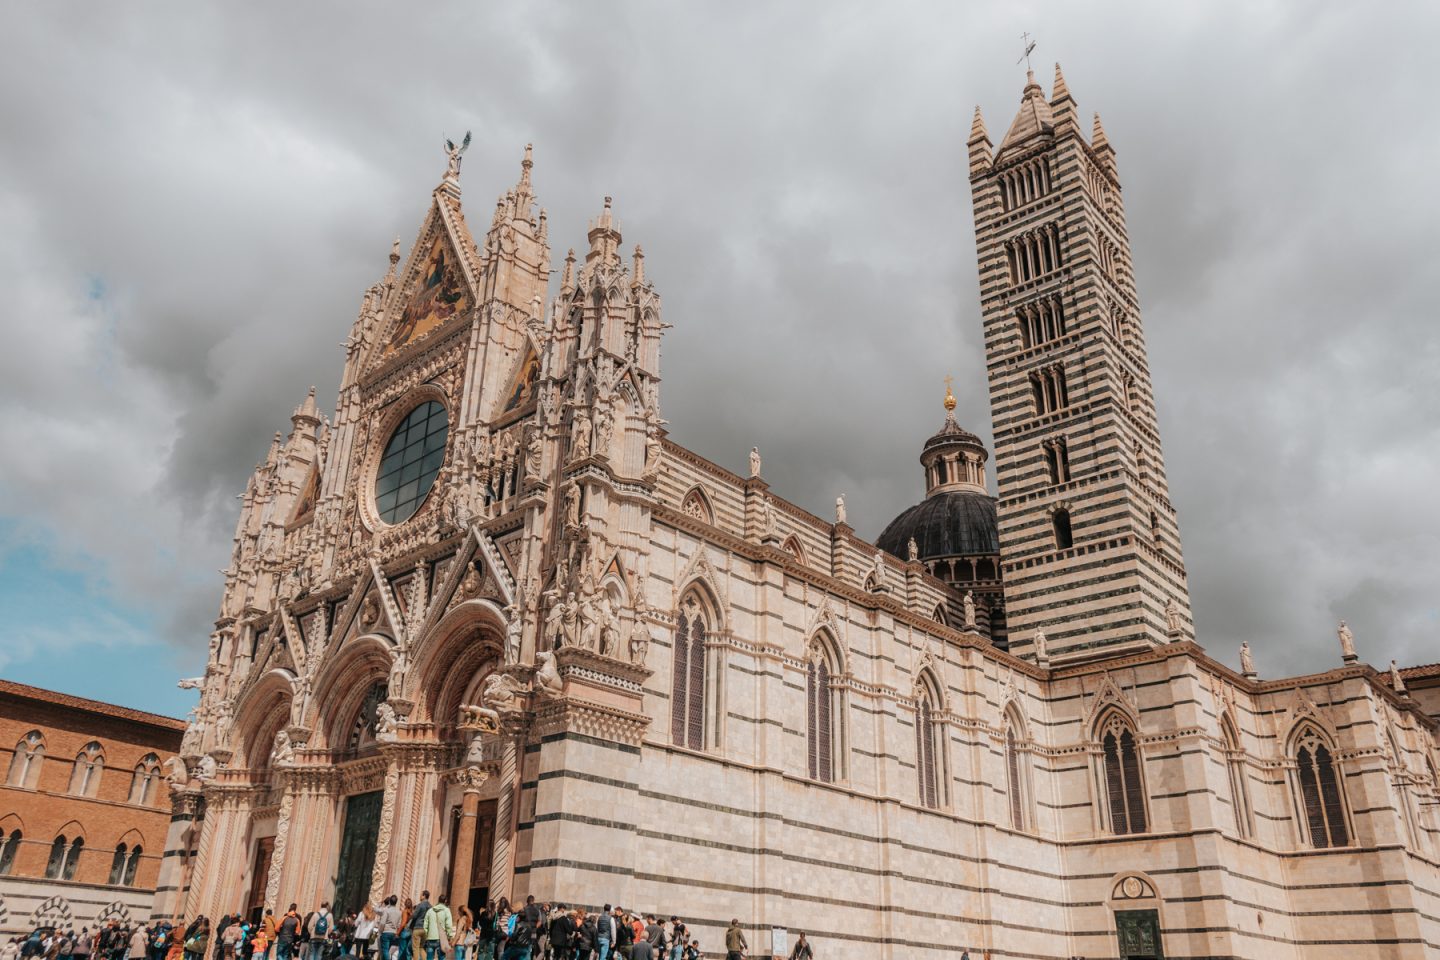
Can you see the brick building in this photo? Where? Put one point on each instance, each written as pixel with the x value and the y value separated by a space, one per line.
pixel 83 808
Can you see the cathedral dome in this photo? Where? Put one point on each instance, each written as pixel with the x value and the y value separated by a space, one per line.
pixel 957 516
pixel 949 523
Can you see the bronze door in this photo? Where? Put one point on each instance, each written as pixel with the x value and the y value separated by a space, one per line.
pixel 357 851
pixel 1139 932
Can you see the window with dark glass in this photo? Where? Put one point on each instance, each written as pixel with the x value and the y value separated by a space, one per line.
pixel 9 846
pixel 1124 787
pixel 411 462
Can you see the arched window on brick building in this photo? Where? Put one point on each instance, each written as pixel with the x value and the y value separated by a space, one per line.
pixel 89 765
pixel 117 865
pixel 144 781
pixel 9 847
pixel 64 858
pixel 25 762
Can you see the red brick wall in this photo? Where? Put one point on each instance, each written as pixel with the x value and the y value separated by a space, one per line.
pixel 104 820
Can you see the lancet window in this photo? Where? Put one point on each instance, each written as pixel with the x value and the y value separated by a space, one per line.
pixel 1057 460
pixel 1048 390
pixel 1123 777
pixel 689 685
pixel 1040 322
pixel 144 780
pixel 64 857
pixel 1015 779
pixel 9 847
pixel 1321 792
pixel 1024 183
pixel 1239 790
pixel 929 743
pixel 1034 254
pixel 824 713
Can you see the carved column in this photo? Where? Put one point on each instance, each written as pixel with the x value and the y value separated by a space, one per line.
pixel 282 840
pixel 380 886
pixel 470 779
pixel 507 809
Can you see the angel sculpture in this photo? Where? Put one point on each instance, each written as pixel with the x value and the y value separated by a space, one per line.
pixel 452 156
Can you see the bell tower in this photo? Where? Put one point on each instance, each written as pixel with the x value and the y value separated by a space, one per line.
pixel 1088 537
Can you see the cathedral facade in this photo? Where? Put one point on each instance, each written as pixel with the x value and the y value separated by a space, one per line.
pixel 490 631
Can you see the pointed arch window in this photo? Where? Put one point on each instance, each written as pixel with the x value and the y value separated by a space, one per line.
pixel 89 765
pixel 1015 784
pixel 1124 779
pixel 64 857
pixel 1239 790
pixel 688 689
pixel 9 847
pixel 26 760
pixel 1400 777
pixel 132 864
pixel 1321 799
pixel 144 780
pixel 117 865
pixel 929 744
pixel 824 713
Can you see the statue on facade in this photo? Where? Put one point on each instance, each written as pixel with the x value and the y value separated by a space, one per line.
pixel 580 435
pixel 499 693
pixel 547 677
pixel 969 608
pixel 224 718
pixel 176 773
pixel 190 683
pixel 453 155
pixel 206 768
pixel 604 431
pixel 514 630
pixel 284 750
pixel 912 550
pixel 770 527
pixel 589 621
pixel 1041 653
pixel 193 738
pixel 1347 643
pixel 1247 660
pixel 877 570
pixel 1397 681
pixel 653 449
pixel 639 641
pixel 609 628
pixel 1172 617
pixel 754 462
pixel 386 721
pixel 572 504
pixel 570 621
pixel 532 456
pixel 553 632
pixel 840 509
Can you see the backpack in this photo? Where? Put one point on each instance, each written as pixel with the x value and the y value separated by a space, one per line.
pixel 523 935
pixel 322 924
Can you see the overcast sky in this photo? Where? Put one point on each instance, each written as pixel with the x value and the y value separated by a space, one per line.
pixel 195 196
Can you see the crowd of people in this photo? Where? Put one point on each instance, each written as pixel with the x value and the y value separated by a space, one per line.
pixel 396 930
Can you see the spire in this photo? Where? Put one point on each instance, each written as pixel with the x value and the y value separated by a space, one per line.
pixel 306 410
pixel 604 238
pixel 567 276
pixel 1101 145
pixel 1034 118
pixel 1059 91
pixel 1062 105
pixel 394 260
pixel 639 280
pixel 979 144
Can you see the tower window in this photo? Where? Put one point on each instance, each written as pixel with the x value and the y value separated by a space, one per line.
pixel 1048 389
pixel 1060 523
pixel 1057 460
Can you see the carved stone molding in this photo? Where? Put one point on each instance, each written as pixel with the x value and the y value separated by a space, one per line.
pixel 591 720
pixel 580 663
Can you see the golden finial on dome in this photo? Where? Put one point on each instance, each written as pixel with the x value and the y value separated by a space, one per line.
pixel 949 397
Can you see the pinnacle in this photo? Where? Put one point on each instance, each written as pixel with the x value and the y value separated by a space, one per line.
pixel 977 127
pixel 1098 139
pixel 1060 91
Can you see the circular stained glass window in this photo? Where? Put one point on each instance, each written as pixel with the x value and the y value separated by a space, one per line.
pixel 411 462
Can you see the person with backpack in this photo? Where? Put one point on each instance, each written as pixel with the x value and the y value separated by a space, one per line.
pixel 286 934
pixel 520 939
pixel 415 934
pixel 439 928
pixel 317 931
pixel 801 950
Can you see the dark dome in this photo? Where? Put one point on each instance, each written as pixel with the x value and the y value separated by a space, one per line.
pixel 949 523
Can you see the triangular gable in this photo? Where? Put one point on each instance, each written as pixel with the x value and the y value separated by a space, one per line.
pixel 436 291
pixel 520 391
pixel 310 493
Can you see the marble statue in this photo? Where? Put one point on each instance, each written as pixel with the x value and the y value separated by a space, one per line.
pixel 912 550
pixel 453 155
pixel 284 750
pixel 1347 643
pixel 386 721
pixel 547 677
pixel 639 641
pixel 840 509
pixel 1172 616
pixel 514 629
pixel 969 608
pixel 580 435
pixel 754 461
pixel 1247 660
pixel 572 504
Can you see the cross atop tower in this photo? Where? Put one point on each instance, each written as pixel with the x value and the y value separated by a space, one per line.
pixel 1029 48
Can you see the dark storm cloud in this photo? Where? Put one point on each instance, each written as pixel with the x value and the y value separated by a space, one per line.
pixel 195 198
